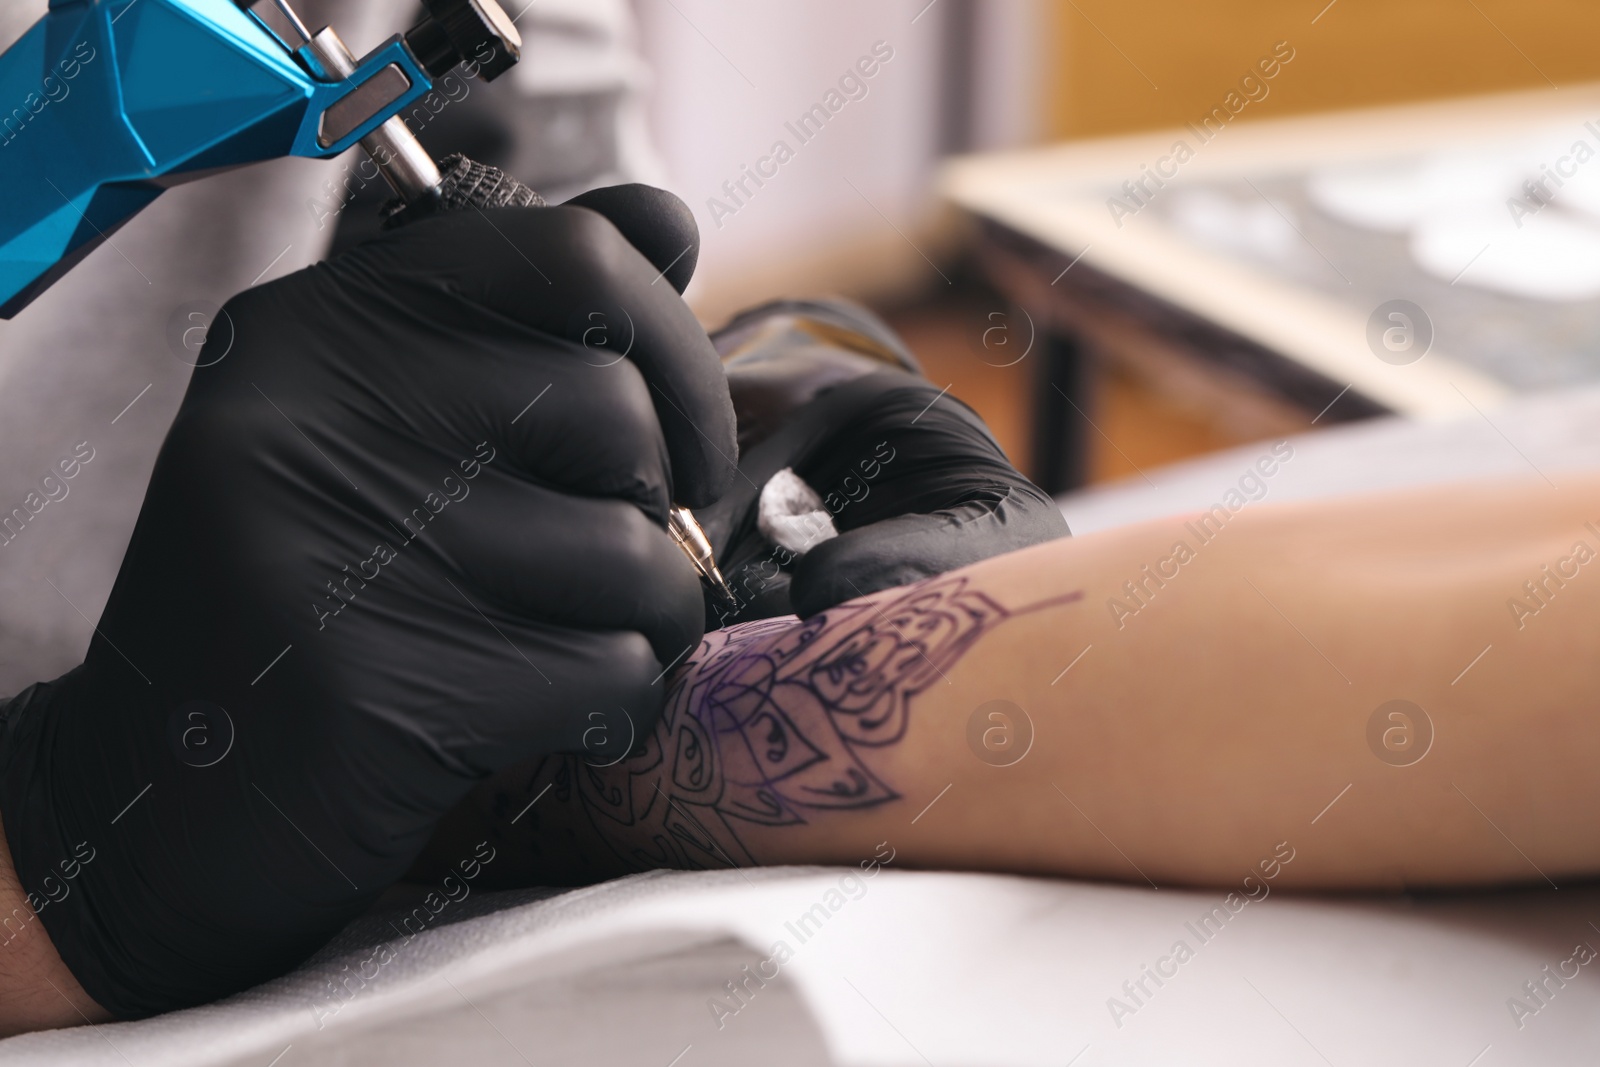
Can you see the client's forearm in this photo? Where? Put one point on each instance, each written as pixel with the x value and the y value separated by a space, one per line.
pixel 771 729
pixel 1118 706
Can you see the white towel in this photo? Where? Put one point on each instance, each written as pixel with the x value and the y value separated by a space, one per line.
pixel 791 515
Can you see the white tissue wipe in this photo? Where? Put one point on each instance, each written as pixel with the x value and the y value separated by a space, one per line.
pixel 790 513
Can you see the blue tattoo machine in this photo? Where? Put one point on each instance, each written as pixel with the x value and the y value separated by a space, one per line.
pixel 106 103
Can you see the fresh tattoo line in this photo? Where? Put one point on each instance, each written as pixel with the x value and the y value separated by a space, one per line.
pixel 768 724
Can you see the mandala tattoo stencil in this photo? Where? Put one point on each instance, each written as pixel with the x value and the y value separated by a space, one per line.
pixel 766 724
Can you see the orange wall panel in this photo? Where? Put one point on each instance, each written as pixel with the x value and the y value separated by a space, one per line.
pixel 1126 66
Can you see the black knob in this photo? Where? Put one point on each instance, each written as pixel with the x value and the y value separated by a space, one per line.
pixel 457 30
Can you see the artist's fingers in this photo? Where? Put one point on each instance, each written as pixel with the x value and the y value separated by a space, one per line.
pixel 568 273
pixel 658 224
pixel 582 562
pixel 660 336
pixel 590 428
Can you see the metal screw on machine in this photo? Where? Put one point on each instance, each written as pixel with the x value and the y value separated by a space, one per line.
pixel 462 29
pixel 453 31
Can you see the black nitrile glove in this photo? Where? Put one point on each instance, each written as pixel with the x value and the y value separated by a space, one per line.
pixel 911 477
pixel 406 530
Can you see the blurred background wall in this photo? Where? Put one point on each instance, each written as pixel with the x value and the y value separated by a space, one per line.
pixel 983 74
pixel 1123 66
pixel 853 212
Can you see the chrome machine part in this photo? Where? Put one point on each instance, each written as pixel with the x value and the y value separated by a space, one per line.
pixel 404 163
pixel 455 30
pixel 452 32
pixel 692 539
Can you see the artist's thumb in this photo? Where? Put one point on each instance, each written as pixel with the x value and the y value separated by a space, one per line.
pixel 654 221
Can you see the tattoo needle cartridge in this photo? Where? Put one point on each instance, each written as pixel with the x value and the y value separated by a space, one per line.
pixel 692 539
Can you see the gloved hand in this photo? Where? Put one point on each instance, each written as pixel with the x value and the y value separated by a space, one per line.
pixel 406 529
pixel 909 476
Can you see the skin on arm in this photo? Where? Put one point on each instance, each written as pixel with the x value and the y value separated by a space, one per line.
pixel 37 992
pixel 1235 709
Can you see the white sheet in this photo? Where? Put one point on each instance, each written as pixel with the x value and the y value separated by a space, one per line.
pixel 942 969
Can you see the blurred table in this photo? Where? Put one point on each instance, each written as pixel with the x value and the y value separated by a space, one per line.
pixel 1229 286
